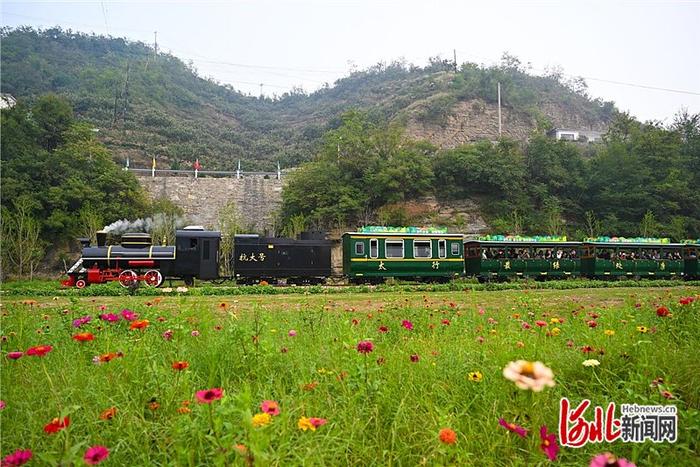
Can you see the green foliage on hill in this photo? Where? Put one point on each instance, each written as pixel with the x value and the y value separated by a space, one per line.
pixel 58 181
pixel 146 105
pixel 643 179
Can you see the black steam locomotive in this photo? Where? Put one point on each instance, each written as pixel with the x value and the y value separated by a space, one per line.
pixel 195 255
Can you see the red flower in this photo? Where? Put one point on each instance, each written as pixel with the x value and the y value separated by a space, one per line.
pixel 540 323
pixel 549 445
pixel 14 355
pixel 19 457
pixel 686 300
pixel 415 358
pixel 271 407
pixel 592 323
pixel 587 349
pixel 662 312
pixel 383 329
pixel 84 337
pixel 95 455
pixel 518 430
pixel 39 350
pixel 365 347
pixel 448 436
pixel 445 322
pixel 179 366
pixel 56 425
pixel 407 324
pixel 207 396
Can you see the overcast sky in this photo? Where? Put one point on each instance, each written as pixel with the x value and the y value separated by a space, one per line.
pixel 309 42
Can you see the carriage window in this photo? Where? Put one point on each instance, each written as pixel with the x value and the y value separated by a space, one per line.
pixel 359 248
pixel 442 248
pixel 374 248
pixel 422 249
pixel 193 243
pixel 205 250
pixel 394 248
pixel 455 249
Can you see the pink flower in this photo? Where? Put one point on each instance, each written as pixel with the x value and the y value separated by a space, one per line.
pixel 492 321
pixel 19 457
pixel 482 311
pixel 168 334
pixel 271 407
pixel 365 347
pixel 383 329
pixel 549 443
pixel 2 405
pixel 525 325
pixel 518 430
pixel 292 333
pixel 317 422
pixel 592 323
pixel 608 460
pixel 95 455
pixel 407 324
pixel 80 321
pixel 415 358
pixel 129 315
pixel 14 355
pixel 207 396
pixel 194 333
pixel 110 317
pixel 480 339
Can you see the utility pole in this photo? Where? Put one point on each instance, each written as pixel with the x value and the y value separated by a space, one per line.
pixel 261 94
pixel 499 111
pixel 155 44
pixel 454 52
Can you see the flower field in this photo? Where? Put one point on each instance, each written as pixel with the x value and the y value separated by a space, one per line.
pixel 405 378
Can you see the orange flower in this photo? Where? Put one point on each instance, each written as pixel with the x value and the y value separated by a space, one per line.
pixel 223 305
pixel 153 405
pixel 448 436
pixel 183 410
pixel 139 324
pixel 310 386
pixel 179 366
pixel 84 337
pixel 108 414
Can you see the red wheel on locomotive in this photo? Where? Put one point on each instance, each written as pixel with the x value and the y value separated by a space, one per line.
pixel 128 278
pixel 80 283
pixel 153 278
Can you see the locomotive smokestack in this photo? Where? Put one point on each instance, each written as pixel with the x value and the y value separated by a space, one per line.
pixel 101 238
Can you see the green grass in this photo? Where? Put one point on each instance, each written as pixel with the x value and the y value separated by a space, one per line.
pixel 378 414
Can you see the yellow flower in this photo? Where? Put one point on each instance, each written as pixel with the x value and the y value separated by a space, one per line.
pixel 475 376
pixel 261 419
pixel 304 423
pixel 555 331
pixel 555 321
pixel 493 332
pixel 529 375
pixel 643 329
pixel 609 332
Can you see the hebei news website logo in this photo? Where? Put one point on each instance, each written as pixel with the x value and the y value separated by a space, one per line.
pixel 637 423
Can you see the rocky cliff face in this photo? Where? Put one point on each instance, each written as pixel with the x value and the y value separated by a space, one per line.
pixel 474 120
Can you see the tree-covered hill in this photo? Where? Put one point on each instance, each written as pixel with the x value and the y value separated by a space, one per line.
pixel 146 104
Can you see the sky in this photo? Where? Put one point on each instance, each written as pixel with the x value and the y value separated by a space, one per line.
pixel 622 48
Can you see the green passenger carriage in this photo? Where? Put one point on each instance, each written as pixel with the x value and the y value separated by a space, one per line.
pixel 691 250
pixel 502 257
pixel 635 258
pixel 375 253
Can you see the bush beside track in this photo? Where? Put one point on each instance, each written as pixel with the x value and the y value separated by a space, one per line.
pixel 49 288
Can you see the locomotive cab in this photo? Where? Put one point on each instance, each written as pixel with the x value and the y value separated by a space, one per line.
pixel 197 254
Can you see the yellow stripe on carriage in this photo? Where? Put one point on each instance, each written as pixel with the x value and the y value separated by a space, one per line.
pixel 109 252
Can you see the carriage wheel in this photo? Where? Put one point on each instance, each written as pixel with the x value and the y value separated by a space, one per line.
pixel 153 278
pixel 128 278
pixel 80 283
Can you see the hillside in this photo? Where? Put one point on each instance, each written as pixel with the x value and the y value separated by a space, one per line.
pixel 149 105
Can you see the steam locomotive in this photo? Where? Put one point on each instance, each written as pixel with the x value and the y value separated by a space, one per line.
pixel 195 255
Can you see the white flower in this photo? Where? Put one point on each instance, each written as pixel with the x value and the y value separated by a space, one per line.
pixel 529 375
pixel 182 289
pixel 591 362
pixel 167 289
